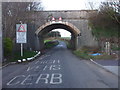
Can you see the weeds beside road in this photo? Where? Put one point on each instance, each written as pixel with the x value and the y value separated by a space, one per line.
pixel 85 53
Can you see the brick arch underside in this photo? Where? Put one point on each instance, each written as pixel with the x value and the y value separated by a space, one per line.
pixel 43 30
pixel 64 25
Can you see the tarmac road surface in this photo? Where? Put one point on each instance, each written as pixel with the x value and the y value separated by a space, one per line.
pixel 58 68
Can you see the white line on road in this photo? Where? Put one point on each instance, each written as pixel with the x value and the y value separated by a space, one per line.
pixel 36 62
pixel 58 61
pixel 12 80
pixel 53 61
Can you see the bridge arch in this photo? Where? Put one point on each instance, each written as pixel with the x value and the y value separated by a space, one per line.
pixel 49 26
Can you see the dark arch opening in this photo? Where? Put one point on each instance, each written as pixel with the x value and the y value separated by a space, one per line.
pixel 53 26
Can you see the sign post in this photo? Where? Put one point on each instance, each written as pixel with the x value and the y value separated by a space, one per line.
pixel 21 30
pixel 21 49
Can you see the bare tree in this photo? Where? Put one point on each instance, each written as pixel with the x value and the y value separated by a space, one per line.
pixel 14 12
pixel 112 9
pixel 105 24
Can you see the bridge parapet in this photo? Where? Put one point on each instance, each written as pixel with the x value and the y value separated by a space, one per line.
pixel 69 14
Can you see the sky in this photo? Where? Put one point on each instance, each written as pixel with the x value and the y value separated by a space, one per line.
pixel 63 32
pixel 63 4
pixel 69 5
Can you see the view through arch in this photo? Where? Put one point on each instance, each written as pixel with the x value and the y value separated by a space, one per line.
pixel 46 28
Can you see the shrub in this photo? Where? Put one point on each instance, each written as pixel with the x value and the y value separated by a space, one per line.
pixel 50 44
pixel 69 46
pixel 8 45
pixel 115 48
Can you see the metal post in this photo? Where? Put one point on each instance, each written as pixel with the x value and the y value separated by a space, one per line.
pixel 21 44
pixel 21 49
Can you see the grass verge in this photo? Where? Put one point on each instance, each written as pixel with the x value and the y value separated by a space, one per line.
pixel 85 55
pixel 26 54
pixel 82 54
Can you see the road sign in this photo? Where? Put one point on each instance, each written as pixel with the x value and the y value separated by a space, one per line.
pixel 60 18
pixel 21 28
pixel 21 32
pixel 53 19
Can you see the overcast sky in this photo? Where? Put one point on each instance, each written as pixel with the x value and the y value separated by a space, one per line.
pixel 68 5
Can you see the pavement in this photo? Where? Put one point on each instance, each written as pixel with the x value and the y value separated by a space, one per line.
pixel 110 65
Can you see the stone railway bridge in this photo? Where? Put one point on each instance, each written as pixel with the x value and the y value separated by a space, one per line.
pixel 76 22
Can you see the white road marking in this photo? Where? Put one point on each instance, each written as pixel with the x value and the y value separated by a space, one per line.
pixel 52 67
pixel 45 67
pixel 28 78
pixel 56 78
pixel 36 62
pixel 56 67
pixel 29 68
pixel 34 67
pixel 58 61
pixel 43 77
pixel 53 61
pixel 49 61
pixel 10 82
pixel 44 56
pixel 44 62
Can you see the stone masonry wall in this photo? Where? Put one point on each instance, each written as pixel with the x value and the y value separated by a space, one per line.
pixel 77 18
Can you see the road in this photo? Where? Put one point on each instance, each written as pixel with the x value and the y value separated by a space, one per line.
pixel 58 68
